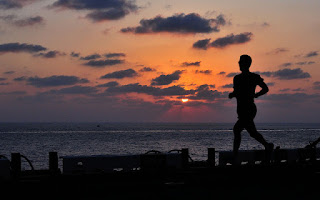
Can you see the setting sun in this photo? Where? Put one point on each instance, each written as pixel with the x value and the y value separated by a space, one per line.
pixel 184 100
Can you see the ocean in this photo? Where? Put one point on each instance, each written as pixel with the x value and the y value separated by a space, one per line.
pixel 36 140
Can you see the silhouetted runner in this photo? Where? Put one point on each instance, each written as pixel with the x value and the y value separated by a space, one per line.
pixel 244 85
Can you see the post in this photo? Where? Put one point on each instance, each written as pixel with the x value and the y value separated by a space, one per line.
pixel 185 157
pixel 211 157
pixel 53 161
pixel 16 163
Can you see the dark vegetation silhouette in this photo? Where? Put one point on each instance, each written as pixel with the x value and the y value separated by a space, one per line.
pixel 244 85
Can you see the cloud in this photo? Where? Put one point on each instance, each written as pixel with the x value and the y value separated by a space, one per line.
pixel 223 41
pixel 282 74
pixel 99 10
pixel 78 89
pixel 188 64
pixel 75 55
pixel 109 84
pixel 147 69
pixel 287 64
pixel 232 74
pixel 265 24
pixel 91 57
pixel 9 72
pixel 222 73
pixel 30 21
pixel 150 90
pixel 290 74
pixel 50 54
pixel 228 86
pixel 277 51
pixel 52 81
pixel 305 63
pixel 167 79
pixel 312 54
pixel 316 85
pixel 206 72
pixel 271 83
pixel 203 92
pixel 103 63
pixel 112 55
pixel 20 47
pixel 128 73
pixel 179 23
pixel 21 78
pixel 231 39
pixel 289 98
pixel 201 44
pixel 13 4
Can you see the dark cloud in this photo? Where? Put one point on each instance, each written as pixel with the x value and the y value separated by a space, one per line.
pixel 206 72
pixel 99 10
pixel 150 90
pixel 91 57
pixel 312 54
pixel 202 44
pixel 231 39
pixel 232 74
pixel 265 24
pixel 128 73
pixel 20 47
pixel 298 90
pixel 12 4
pixel 52 81
pixel 75 55
pixel 223 41
pixel 78 89
pixel 9 72
pixel 277 51
pixel 222 73
pixel 188 64
pixel 103 63
pixel 109 84
pixel 290 97
pixel 204 92
pixel 147 69
pixel 290 74
pixel 30 21
pixel 316 85
pixel 14 93
pixel 2 79
pixel 178 23
pixel 50 54
pixel 112 55
pixel 285 90
pixel 283 74
pixel 305 63
pixel 21 78
pixel 271 83
pixel 167 79
pixel 288 64
pixel 228 86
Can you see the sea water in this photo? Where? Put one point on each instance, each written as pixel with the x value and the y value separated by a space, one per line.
pixel 36 140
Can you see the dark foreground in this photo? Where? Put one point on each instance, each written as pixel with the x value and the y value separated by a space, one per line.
pixel 299 181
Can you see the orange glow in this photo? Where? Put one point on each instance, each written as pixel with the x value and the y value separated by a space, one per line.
pixel 184 100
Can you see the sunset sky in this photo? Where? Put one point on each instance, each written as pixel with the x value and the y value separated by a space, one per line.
pixel 134 61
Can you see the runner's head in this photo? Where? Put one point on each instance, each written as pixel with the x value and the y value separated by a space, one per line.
pixel 245 62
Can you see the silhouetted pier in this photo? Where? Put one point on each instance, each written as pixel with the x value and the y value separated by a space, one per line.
pixel 286 173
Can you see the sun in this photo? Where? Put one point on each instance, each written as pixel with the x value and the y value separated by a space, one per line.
pixel 184 100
